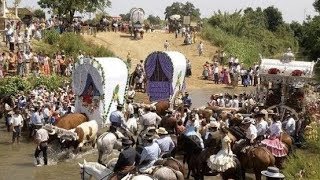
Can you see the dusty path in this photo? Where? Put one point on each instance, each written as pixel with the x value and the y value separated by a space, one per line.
pixel 121 43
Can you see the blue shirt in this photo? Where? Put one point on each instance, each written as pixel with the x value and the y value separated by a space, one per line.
pixel 165 143
pixel 187 100
pixel 150 152
pixel 36 118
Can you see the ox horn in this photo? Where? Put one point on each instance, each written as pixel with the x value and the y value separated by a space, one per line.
pixel 84 161
pixel 81 165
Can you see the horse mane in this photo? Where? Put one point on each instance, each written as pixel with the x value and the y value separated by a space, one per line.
pixel 96 166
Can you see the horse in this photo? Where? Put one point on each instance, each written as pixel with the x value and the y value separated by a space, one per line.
pixel 169 123
pixel 93 169
pixel 198 163
pixel 257 158
pixel 172 163
pixel 165 173
pixel 108 141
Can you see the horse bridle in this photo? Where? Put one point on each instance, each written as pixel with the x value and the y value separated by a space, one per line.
pixel 85 172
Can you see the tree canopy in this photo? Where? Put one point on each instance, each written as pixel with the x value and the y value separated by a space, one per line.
pixel 39 13
pixel 187 9
pixel 69 8
pixel 273 17
pixel 155 20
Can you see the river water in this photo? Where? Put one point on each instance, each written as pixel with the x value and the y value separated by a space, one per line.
pixel 17 160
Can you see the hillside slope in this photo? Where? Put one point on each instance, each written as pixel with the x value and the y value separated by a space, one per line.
pixel 121 43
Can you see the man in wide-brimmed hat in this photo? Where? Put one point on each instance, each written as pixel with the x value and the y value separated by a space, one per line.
pixel 289 124
pixel 150 118
pixel 150 153
pixel 250 130
pixel 165 142
pixel 127 158
pixel 117 117
pixel 261 124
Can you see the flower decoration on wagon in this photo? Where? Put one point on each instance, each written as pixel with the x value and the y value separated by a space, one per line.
pixel 273 71
pixel 297 73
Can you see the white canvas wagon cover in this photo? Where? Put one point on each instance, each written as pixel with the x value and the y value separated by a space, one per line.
pixel 99 85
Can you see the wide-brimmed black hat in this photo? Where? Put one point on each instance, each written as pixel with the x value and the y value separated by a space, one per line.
pixel 126 141
pixel 120 106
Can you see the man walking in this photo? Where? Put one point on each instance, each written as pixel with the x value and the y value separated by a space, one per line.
pixel 41 140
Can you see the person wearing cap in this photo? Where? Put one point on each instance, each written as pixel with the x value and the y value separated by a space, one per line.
pixel 117 117
pixel 165 142
pixel 17 123
pixel 273 142
pixel 127 158
pixel 289 125
pixel 150 153
pixel 221 101
pixel 272 173
pixel 224 159
pixel 41 139
pixel 187 100
pixel 150 119
pixel 261 125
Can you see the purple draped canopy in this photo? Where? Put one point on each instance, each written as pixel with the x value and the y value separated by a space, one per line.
pixel 159 90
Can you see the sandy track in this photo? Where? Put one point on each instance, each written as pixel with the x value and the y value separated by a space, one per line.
pixel 121 43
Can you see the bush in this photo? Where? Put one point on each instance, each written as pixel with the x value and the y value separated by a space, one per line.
pixel 71 43
pixel 51 36
pixel 307 159
pixel 12 85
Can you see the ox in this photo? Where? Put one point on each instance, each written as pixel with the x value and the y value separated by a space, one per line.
pixel 82 134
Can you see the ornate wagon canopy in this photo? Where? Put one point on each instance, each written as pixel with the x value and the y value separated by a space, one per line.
pixel 286 69
pixel 99 85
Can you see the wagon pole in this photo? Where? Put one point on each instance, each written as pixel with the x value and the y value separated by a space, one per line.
pixel 283 89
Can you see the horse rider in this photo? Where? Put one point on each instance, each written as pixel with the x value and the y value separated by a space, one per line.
pixel 187 99
pixel 127 159
pixel 150 153
pixel 41 139
pixel 289 125
pixel 117 117
pixel 165 143
pixel 212 129
pixel 150 119
pixel 250 134
pixel 191 130
pixel 261 125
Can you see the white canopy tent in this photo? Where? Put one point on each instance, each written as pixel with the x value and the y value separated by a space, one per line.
pixel 99 85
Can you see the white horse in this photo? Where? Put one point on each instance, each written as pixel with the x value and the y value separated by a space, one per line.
pixel 94 169
pixel 107 142
pixel 100 172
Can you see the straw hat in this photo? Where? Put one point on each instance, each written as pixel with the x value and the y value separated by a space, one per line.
pixel 247 120
pixel 162 131
pixel 272 172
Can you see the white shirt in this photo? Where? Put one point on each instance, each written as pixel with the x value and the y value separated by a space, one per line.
pixel 131 93
pixel 17 120
pixel 221 102
pixel 262 127
pixel 235 103
pixel 216 70
pixel 132 123
pixel 130 109
pixel 290 126
pixel 251 132
pixel 42 135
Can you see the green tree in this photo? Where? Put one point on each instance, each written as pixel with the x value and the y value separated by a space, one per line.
pixel 39 13
pixel 125 17
pixel 273 17
pixel 316 5
pixel 155 20
pixel 187 9
pixel 69 8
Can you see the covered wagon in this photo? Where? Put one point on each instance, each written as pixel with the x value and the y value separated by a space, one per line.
pixel 99 85
pixel 283 81
pixel 165 74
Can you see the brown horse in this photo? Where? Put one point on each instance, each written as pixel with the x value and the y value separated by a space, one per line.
pixel 161 107
pixel 256 158
pixel 169 123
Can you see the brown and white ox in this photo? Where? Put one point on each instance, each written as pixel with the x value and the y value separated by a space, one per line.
pixel 82 134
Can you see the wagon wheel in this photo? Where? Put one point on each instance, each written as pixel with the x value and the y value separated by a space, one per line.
pixel 282 109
